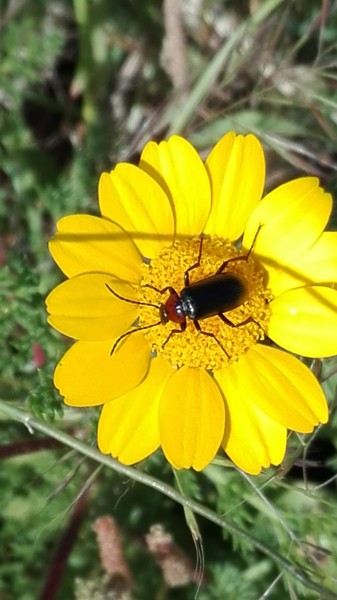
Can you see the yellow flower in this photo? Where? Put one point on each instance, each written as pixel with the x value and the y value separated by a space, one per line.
pixel 192 392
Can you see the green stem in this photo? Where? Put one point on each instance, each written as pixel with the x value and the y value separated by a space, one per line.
pixel 35 424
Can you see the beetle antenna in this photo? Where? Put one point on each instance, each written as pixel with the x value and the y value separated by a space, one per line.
pixel 124 335
pixel 131 301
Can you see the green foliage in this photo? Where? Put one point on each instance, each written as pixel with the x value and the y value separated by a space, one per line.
pixel 32 517
pixel 82 87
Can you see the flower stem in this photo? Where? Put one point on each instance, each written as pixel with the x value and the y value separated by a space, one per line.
pixel 11 412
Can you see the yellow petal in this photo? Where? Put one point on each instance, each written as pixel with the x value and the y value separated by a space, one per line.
pixel 84 244
pixel 282 387
pixel 85 309
pixel 128 426
pixel 291 219
pixel 318 265
pixel 252 439
pixel 236 169
pixel 88 375
pixel 304 321
pixel 134 200
pixel 179 170
pixel 191 419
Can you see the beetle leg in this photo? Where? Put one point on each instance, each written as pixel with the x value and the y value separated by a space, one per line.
pixel 182 328
pixel 245 322
pixel 194 266
pixel 209 334
pixel 229 260
pixel 245 257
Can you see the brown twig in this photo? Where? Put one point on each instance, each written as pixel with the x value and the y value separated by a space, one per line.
pixel 173 53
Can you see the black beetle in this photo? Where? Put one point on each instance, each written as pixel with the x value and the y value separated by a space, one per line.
pixel 199 300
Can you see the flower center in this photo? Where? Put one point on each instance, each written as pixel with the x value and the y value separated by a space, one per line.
pixel 215 342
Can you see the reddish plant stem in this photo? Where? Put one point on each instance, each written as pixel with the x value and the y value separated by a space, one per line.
pixel 28 446
pixel 63 550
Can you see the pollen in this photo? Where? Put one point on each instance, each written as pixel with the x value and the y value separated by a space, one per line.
pixel 218 342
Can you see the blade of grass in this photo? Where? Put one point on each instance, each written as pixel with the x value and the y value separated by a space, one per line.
pixel 207 79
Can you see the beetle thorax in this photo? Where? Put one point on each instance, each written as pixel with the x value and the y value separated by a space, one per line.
pixel 172 310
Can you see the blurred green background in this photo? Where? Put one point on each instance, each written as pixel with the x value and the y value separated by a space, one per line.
pixel 83 85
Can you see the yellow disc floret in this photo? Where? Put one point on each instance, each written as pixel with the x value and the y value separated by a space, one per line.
pixel 224 342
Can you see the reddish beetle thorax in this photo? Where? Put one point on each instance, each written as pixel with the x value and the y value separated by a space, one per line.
pixel 172 310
